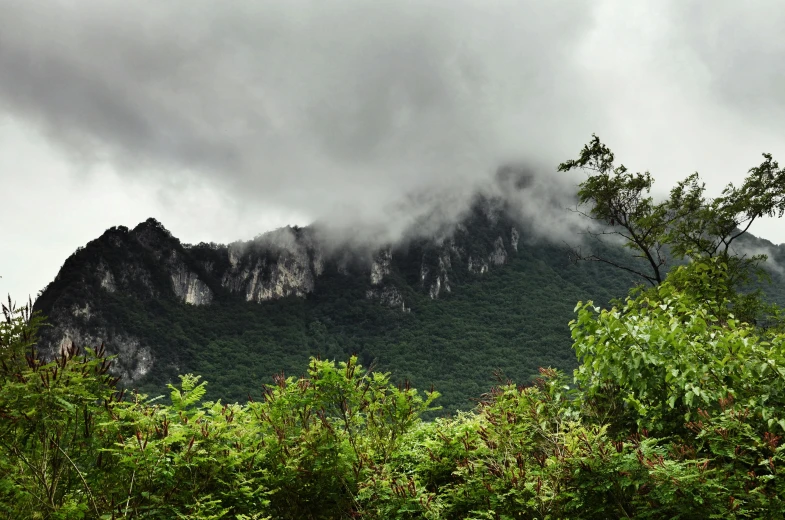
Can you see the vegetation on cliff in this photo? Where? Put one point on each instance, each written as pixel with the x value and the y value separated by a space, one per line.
pixel 511 318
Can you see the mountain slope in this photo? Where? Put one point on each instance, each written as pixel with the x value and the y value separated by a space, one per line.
pixel 450 312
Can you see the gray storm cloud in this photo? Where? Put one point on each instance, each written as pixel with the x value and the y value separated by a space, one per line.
pixel 348 111
pixel 385 113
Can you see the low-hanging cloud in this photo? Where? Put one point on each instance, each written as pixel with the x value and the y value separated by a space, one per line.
pixel 368 116
pixel 349 111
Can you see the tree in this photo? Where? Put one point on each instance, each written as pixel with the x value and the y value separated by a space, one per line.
pixel 687 225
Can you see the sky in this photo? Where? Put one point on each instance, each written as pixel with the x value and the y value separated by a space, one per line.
pixel 227 119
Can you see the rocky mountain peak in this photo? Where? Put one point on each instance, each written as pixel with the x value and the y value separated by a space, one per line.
pixel 148 263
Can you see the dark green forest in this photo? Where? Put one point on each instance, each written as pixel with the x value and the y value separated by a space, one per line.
pixel 496 322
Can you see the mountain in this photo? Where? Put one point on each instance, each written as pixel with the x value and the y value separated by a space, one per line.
pixel 489 298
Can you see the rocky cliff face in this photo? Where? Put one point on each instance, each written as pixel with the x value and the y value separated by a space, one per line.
pixel 282 263
pixel 134 360
pixel 189 288
pixel 148 264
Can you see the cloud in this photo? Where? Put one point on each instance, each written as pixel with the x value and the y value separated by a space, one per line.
pixel 349 111
pixel 374 118
pixel 738 49
pixel 750 248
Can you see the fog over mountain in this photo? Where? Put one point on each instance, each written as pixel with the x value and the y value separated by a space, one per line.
pixel 350 109
pixel 372 118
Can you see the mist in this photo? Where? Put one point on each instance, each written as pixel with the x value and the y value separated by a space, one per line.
pixel 380 113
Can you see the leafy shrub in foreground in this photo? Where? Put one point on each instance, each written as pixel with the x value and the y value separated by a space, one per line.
pixel 674 412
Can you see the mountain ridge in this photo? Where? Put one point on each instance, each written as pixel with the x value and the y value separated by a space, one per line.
pixel 148 264
pixel 450 311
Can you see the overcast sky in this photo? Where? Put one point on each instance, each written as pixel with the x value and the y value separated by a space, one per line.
pixel 227 119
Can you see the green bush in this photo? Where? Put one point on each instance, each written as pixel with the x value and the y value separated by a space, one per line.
pixel 675 411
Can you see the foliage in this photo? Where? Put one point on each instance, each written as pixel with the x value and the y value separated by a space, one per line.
pixel 675 411
pixel 50 423
pixel 687 224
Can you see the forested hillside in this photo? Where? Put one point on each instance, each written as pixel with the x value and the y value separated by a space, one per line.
pixel 508 319
pixel 489 297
